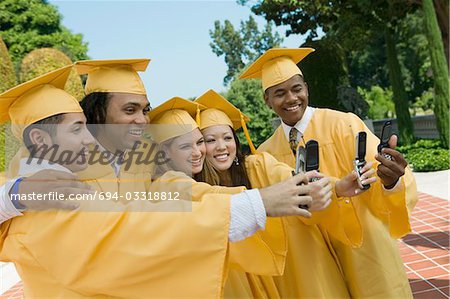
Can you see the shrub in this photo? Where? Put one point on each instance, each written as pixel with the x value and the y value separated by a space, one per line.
pixel 7 74
pixel 7 80
pixel 41 61
pixel 426 155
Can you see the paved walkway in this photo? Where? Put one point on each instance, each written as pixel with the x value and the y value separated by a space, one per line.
pixel 434 183
pixel 425 251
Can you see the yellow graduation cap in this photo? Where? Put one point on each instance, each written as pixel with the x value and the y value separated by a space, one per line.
pixel 276 66
pixel 180 115
pixel 119 75
pixel 37 99
pixel 222 112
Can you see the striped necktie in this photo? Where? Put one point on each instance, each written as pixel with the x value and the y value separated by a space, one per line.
pixel 293 140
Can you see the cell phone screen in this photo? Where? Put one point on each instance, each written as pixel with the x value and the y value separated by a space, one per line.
pixel 387 132
pixel 361 147
pixel 312 155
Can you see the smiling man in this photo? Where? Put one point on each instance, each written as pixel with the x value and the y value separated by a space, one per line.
pixel 375 269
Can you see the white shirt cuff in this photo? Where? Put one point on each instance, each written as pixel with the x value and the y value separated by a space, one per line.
pixel 248 215
pixel 7 209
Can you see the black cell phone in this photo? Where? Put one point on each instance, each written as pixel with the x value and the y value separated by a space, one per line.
pixel 360 159
pixel 307 158
pixel 386 134
pixel 312 157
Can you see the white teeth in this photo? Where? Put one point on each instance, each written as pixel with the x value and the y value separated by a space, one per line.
pixel 136 132
pixel 293 108
pixel 222 157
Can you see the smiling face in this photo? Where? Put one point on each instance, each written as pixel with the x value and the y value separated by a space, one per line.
pixel 65 142
pixel 187 152
pixel 130 112
pixel 288 99
pixel 73 136
pixel 220 146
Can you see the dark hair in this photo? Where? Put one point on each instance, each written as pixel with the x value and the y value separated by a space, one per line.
pixel 238 173
pixel 94 107
pixel 48 124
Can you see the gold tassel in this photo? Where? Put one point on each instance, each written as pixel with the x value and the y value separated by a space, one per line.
pixel 247 136
pixel 197 116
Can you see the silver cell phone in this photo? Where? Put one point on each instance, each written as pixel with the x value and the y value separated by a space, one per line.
pixel 300 166
pixel 300 160
pixel 360 159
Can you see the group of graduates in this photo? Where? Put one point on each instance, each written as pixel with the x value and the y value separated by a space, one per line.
pixel 229 225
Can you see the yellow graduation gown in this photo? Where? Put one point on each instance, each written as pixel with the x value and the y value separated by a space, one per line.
pixel 310 270
pixel 120 252
pixel 263 253
pixel 61 254
pixel 374 270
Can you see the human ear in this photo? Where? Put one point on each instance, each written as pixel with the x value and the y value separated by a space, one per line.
pixel 266 99
pixel 39 137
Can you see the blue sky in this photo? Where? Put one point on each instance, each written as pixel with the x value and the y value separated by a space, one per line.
pixel 174 34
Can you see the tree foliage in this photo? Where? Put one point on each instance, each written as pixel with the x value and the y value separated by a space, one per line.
pixel 380 102
pixel 7 80
pixel 440 71
pixel 354 24
pixel 7 74
pixel 29 24
pixel 247 95
pixel 333 89
pixel 41 61
pixel 243 45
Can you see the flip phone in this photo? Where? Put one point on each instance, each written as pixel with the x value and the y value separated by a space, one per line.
pixel 312 157
pixel 386 134
pixel 360 159
pixel 300 160
pixel 300 166
pixel 307 158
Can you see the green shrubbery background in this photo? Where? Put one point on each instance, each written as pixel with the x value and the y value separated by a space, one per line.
pixel 426 155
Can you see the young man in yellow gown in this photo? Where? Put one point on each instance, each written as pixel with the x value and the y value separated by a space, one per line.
pixel 375 270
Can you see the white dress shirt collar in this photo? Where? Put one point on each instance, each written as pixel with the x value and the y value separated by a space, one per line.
pixel 301 125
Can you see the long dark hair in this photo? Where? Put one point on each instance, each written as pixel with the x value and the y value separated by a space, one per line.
pixel 94 107
pixel 238 173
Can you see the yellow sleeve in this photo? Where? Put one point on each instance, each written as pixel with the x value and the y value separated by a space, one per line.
pixel 263 253
pixel 392 207
pixel 339 219
pixel 188 187
pixel 123 254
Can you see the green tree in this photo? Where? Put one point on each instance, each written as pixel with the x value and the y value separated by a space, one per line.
pixel 323 89
pixel 440 71
pixel 441 7
pixel 7 74
pixel 29 24
pixel 7 80
pixel 349 22
pixel 332 90
pixel 41 61
pixel 380 102
pixel 247 95
pixel 241 46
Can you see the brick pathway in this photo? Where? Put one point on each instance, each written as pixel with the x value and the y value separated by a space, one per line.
pixel 425 251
